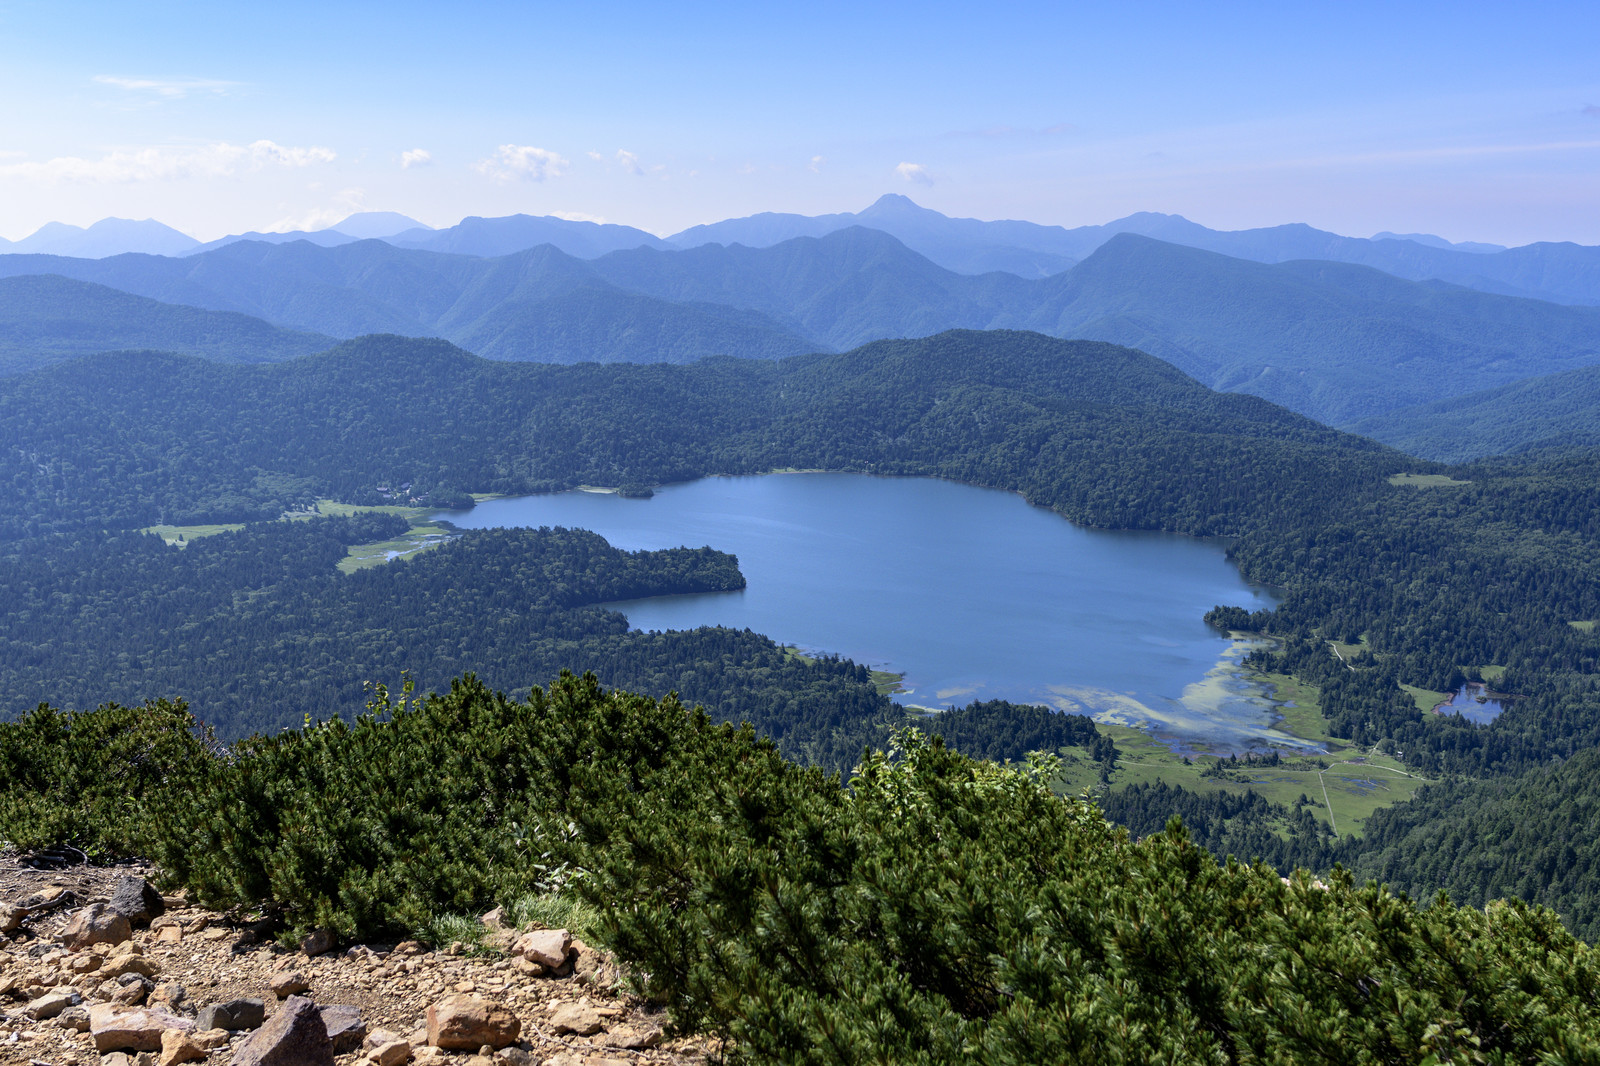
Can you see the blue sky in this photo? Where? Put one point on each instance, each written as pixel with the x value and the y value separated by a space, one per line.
pixel 1469 120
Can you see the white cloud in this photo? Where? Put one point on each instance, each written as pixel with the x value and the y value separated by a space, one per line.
pixel 512 161
pixel 578 216
pixel 167 88
pixel 166 163
pixel 415 157
pixel 815 165
pixel 915 173
pixel 345 203
pixel 597 157
pixel 630 162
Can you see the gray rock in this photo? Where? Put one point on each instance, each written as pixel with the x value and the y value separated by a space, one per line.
pixel 318 942
pixel 96 924
pixel 234 1014
pixel 295 1036
pixel 74 1018
pixel 133 990
pixel 51 1004
pixel 136 900
pixel 345 1028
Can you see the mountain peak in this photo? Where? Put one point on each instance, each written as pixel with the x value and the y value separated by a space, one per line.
pixel 108 237
pixel 365 225
pixel 893 203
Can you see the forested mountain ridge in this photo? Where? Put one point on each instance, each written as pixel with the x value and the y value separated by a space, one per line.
pixel 136 438
pixel 1333 341
pixel 1549 413
pixel 46 319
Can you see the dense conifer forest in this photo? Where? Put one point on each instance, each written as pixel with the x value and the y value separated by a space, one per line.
pixel 1452 574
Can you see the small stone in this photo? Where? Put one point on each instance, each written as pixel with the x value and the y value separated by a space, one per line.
pixel 547 947
pixel 177 1046
pixel 11 917
pixel 345 1028
pixel 379 1037
pixel 137 901
pixel 634 1036
pixel 170 934
pixel 391 1053
pixel 410 947
pixel 169 995
pixel 87 962
pixel 129 963
pixel 140 1030
pixel 430 1056
pixel 319 941
pixel 512 1056
pixel 76 1018
pixel 211 1039
pixel 578 1019
pixel 232 1014
pixel 291 983
pixel 495 919
pixel 51 1004
pixel 464 1023
pixel 96 924
pixel 132 989
pixel 295 1036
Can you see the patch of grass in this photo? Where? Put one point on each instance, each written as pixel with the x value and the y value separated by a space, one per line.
pixel 1587 627
pixel 418 538
pixel 182 535
pixel 888 684
pixel 1357 783
pixel 344 510
pixel 446 929
pixel 552 910
pixel 1300 708
pixel 1426 698
pixel 1425 481
pixel 1493 672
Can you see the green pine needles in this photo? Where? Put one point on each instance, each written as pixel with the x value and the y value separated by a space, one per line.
pixel 934 908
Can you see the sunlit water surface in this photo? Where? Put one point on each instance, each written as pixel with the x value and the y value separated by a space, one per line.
pixel 970 593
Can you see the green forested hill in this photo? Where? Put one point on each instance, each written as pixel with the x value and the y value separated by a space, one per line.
pixel 135 439
pixel 1551 413
pixel 47 319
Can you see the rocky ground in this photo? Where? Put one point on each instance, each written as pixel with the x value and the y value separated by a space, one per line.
pixel 97 968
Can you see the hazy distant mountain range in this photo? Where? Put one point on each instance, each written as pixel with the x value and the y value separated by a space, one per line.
pixel 1336 341
pixel 1561 272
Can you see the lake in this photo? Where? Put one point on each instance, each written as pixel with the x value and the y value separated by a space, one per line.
pixel 968 593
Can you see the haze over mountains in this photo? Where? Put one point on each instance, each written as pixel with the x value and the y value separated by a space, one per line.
pixel 1335 341
pixel 1563 272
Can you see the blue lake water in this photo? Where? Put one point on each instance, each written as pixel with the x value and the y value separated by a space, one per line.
pixel 970 593
pixel 1473 702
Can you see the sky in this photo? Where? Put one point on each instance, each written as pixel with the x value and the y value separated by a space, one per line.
pixel 1470 120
